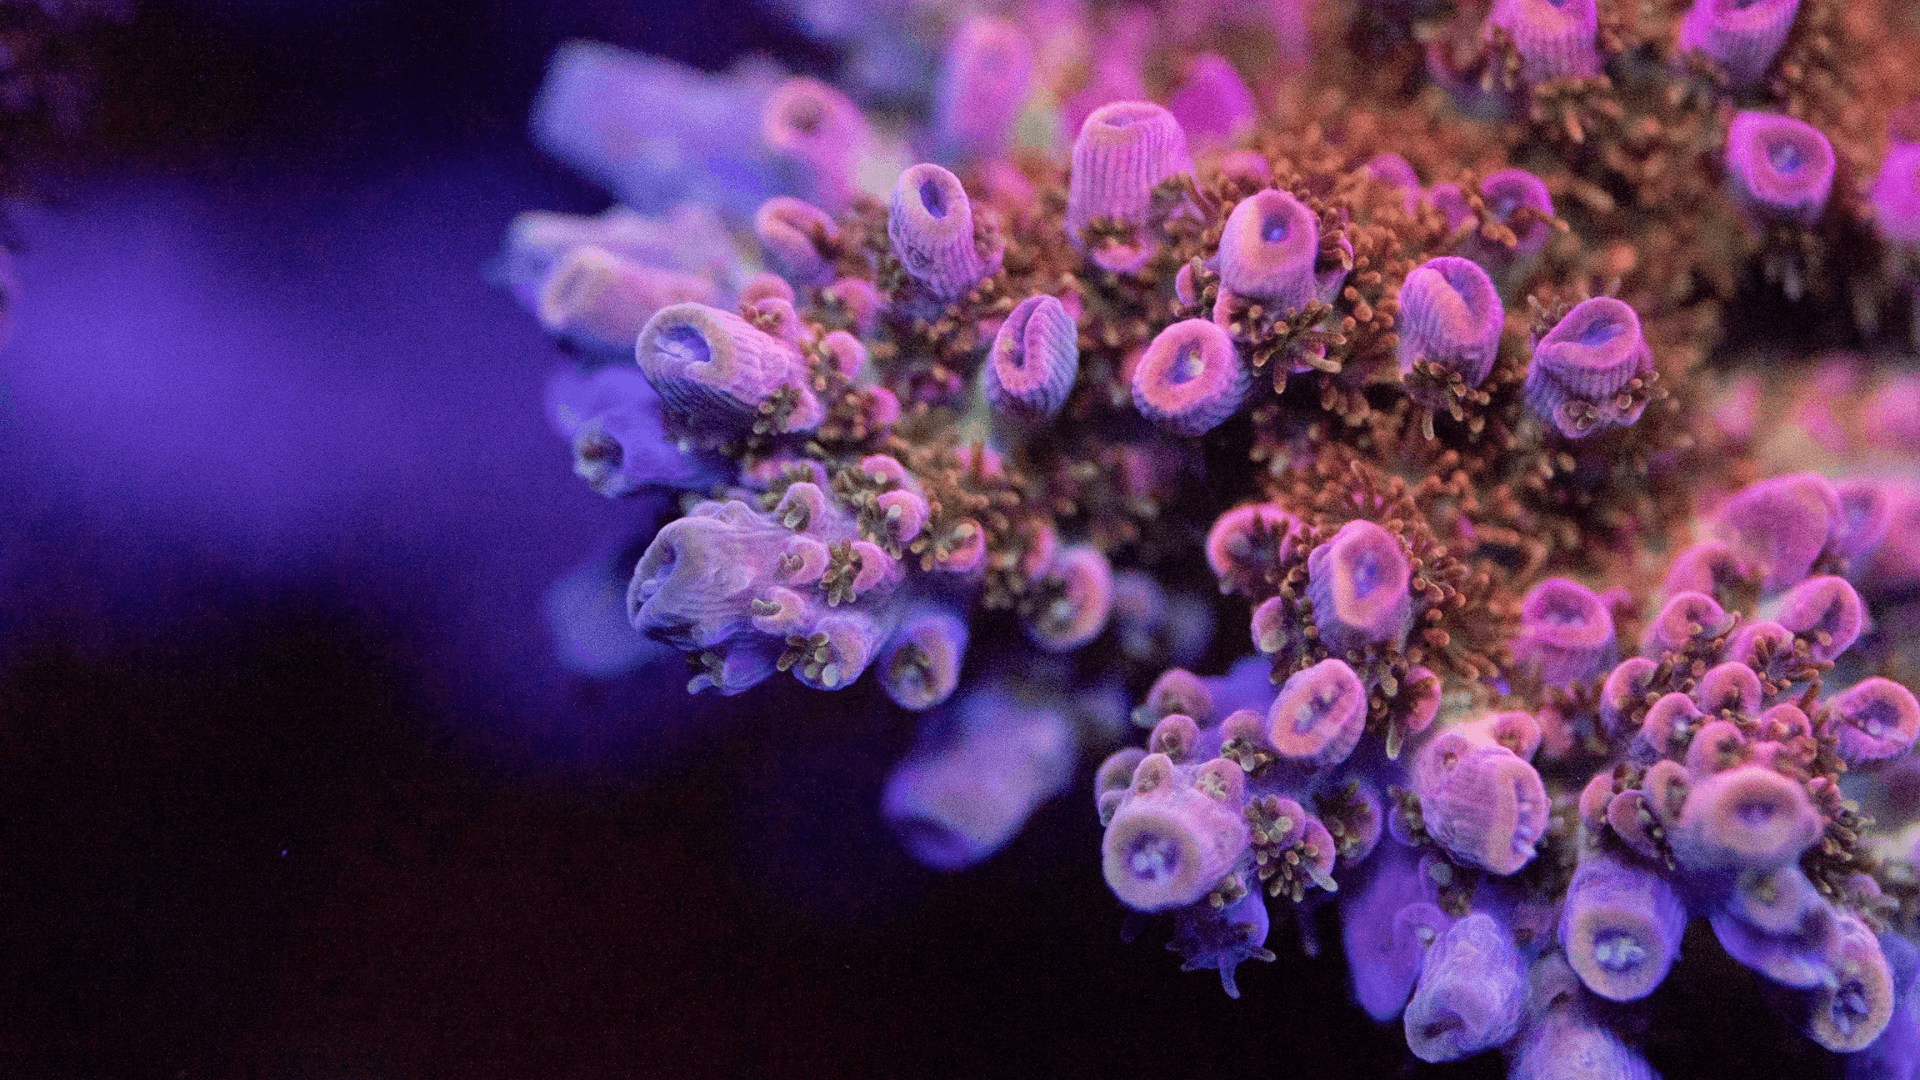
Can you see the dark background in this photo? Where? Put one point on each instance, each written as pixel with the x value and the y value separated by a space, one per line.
pixel 290 785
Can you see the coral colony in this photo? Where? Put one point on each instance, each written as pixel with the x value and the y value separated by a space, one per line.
pixel 1350 399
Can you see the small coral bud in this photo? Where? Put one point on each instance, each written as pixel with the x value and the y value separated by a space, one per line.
pixel 814 130
pixel 1450 317
pixel 1082 599
pixel 1395 172
pixel 1826 612
pixel 779 317
pixel 1594 799
pixel 1866 510
pixel 1470 994
pixel 846 352
pixel 1682 619
pixel 1777 901
pixel 1896 194
pixel 1112 779
pixel 1223 780
pixel 1273 626
pixel 1620 926
pixel 1034 359
pixel 598 299
pixel 1706 567
pixel 930 224
pixel 713 370
pixel 1213 105
pixel 904 512
pixel 1483 804
pixel 1633 823
pixel 1268 249
pixel 803 560
pixel 1358 584
pixel 1746 817
pixel 1666 785
pixel 1566 633
pixel 962 797
pixel 1246 545
pixel 921 666
pixel 1581 379
pixel 1246 166
pixel 795 237
pixel 1177 690
pixel 1123 151
pixel 860 299
pixel 1742 38
pixel 1167 847
pixel 1417 704
pixel 1174 736
pixel 1779 167
pixel 764 286
pixel 1190 380
pixel 1783 722
pixel 1732 687
pixel 1780 525
pixel 1361 814
pixel 1760 643
pixel 852 640
pixel 1517 731
pixel 983 83
pixel 804 507
pixel 1507 190
pixel 1320 714
pixel 1669 723
pixel 1876 718
pixel 1554 40
pixel 1716 747
pixel 781 611
pixel 1624 691
pixel 1850 1012
pixel 1317 853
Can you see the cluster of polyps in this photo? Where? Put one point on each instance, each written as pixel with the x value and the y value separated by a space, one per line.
pixel 968 421
pixel 1713 757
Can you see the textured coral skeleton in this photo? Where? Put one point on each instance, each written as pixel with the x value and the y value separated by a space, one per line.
pixel 1388 361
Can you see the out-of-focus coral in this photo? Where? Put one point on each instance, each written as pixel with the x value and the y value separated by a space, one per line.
pixel 46 85
pixel 1399 343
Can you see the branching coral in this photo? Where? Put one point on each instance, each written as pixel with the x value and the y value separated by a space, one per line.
pixel 1408 365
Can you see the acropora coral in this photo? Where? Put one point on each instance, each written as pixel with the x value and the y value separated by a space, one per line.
pixel 1422 420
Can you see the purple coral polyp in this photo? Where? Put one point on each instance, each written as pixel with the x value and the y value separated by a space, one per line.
pixel 1268 250
pixel 1742 38
pixel 1123 152
pixel 984 81
pixel 1033 361
pixel 1779 166
pixel 930 222
pixel 1896 194
pixel 713 369
pixel 1451 319
pixel 1554 40
pixel 1586 370
pixel 1358 584
pixel 1191 378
